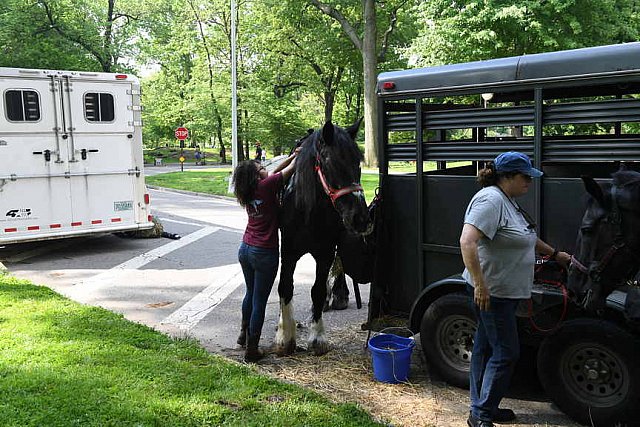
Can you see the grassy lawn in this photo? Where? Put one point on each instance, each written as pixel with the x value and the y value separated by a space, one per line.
pixel 216 181
pixel 66 364
pixel 201 181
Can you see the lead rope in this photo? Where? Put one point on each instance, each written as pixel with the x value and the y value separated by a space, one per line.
pixel 565 299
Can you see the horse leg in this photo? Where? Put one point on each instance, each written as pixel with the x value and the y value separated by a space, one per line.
pixel 339 291
pixel 285 342
pixel 317 340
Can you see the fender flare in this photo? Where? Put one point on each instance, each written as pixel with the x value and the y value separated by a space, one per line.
pixel 431 292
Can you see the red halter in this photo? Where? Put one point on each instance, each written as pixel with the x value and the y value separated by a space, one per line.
pixel 335 193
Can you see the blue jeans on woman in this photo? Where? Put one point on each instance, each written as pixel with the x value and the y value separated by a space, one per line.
pixel 259 266
pixel 496 350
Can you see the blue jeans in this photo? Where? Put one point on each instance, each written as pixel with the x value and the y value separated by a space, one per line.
pixel 495 352
pixel 259 266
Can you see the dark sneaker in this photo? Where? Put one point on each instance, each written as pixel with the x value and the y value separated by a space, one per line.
pixel 475 422
pixel 504 415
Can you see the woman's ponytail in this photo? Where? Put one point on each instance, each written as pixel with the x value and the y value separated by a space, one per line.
pixel 488 176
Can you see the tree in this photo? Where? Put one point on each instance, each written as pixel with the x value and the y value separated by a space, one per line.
pixel 468 30
pixel 366 41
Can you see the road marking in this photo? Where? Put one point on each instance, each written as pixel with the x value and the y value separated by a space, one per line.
pixel 147 257
pixel 163 219
pixel 228 278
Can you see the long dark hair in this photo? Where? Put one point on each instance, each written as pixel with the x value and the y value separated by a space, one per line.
pixel 489 176
pixel 245 181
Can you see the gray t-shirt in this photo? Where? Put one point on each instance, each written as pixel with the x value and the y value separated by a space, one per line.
pixel 507 249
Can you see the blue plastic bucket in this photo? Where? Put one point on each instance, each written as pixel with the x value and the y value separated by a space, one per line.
pixel 391 357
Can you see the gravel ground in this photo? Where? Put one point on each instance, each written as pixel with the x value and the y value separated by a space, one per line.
pixel 345 375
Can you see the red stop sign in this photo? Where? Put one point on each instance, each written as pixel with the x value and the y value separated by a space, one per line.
pixel 182 133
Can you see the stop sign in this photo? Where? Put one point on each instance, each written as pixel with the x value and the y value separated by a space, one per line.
pixel 182 133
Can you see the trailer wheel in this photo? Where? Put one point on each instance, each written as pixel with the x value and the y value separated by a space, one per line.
pixel 589 368
pixel 446 335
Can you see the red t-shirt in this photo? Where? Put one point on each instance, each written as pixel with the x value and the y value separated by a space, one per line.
pixel 262 228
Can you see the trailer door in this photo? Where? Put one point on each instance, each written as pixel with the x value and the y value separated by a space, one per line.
pixel 99 120
pixel 35 195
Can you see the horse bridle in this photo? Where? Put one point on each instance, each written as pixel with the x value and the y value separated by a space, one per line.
pixel 334 193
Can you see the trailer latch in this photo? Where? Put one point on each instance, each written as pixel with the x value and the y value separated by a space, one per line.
pixel 84 151
pixel 47 154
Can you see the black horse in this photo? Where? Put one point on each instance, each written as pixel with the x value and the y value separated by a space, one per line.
pixel 325 199
pixel 608 245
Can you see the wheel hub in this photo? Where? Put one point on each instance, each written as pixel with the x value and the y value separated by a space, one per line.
pixel 456 340
pixel 595 374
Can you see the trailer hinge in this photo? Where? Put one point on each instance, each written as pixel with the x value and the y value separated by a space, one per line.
pixel 135 171
pixel 134 92
pixel 134 107
pixel 13 177
pixel 67 175
pixel 136 123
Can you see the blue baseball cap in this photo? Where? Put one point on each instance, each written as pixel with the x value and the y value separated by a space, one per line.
pixel 513 161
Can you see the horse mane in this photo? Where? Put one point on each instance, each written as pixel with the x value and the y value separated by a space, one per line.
pixel 308 192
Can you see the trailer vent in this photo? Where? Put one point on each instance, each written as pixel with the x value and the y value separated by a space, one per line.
pixel 99 107
pixel 22 105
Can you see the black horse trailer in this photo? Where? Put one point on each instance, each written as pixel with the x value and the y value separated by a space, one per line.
pixel 574 113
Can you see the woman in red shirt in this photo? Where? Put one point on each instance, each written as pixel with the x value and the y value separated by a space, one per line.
pixel 256 191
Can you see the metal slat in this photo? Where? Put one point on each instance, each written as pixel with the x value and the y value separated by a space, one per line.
pixel 619 110
pixel 479 117
pixel 473 150
pixel 592 149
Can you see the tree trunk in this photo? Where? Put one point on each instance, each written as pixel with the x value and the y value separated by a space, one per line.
pixel 370 65
pixel 328 105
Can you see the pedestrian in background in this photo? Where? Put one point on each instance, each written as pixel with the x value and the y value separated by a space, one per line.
pixel 257 191
pixel 498 244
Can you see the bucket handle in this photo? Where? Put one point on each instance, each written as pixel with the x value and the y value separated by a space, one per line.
pixel 390 329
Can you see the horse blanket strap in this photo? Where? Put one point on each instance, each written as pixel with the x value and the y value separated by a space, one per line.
pixel 335 193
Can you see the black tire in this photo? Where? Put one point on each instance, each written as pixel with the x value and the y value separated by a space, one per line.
pixel 446 335
pixel 590 369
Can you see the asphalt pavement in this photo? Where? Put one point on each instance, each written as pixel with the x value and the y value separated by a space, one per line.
pixel 187 287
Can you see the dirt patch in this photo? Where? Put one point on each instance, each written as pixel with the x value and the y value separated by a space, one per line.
pixel 345 375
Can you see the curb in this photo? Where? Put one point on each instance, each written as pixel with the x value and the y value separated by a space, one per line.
pixel 3 269
pixel 190 193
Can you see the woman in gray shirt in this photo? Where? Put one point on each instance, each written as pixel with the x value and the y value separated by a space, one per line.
pixel 498 245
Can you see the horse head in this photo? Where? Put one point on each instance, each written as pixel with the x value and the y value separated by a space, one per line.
pixel 608 245
pixel 328 171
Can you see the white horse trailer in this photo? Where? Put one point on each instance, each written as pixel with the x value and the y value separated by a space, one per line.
pixel 70 155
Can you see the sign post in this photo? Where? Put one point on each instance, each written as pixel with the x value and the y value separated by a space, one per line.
pixel 182 133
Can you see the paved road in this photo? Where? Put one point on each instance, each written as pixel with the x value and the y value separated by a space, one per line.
pixel 192 286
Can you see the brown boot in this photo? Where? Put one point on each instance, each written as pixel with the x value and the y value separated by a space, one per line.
pixel 252 354
pixel 242 338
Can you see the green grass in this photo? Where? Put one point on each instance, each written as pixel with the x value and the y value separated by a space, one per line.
pixel 66 364
pixel 201 181
pixel 213 182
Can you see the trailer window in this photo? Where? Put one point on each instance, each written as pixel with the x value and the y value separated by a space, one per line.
pixel 99 107
pixel 22 105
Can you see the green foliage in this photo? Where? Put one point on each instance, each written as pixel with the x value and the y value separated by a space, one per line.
pixel 470 30
pixel 66 364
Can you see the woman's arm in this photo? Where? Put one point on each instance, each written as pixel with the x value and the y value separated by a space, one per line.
pixel 546 249
pixel 287 166
pixel 469 247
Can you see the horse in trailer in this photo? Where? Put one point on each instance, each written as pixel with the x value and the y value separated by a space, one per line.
pixel 608 244
pixel 324 198
pixel 589 365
